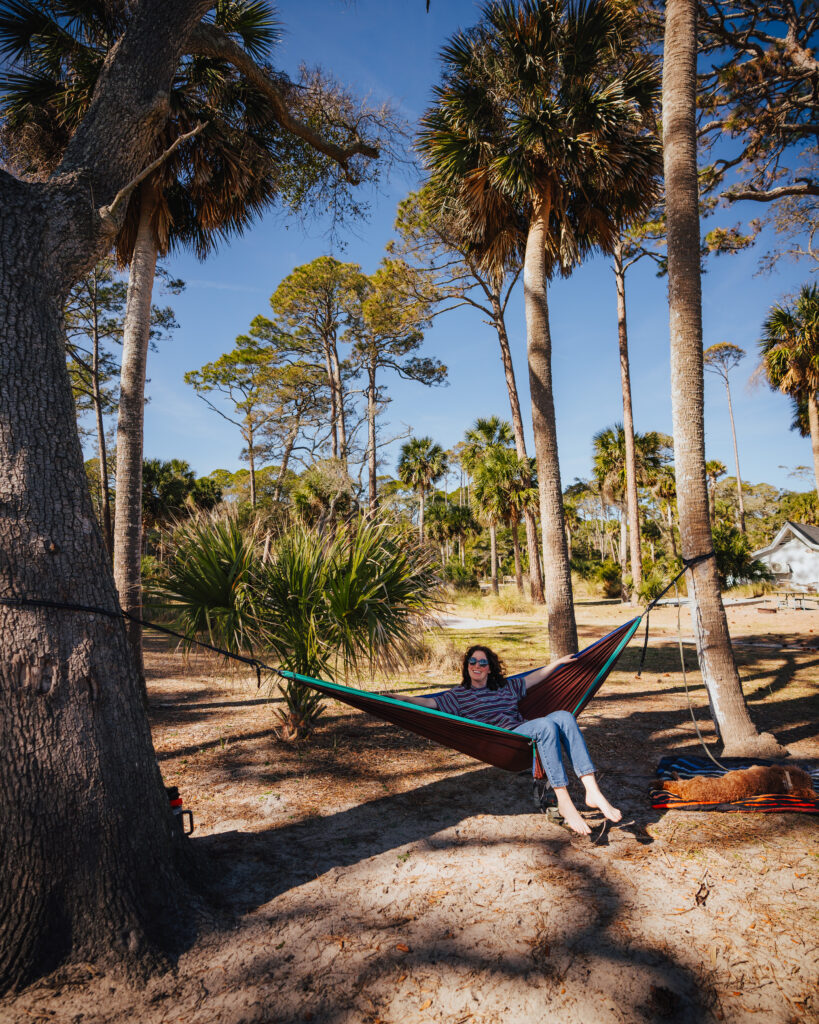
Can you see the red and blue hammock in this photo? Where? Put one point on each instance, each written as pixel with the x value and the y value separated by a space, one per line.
pixel 569 688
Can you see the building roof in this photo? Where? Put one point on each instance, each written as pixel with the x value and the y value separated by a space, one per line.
pixel 809 535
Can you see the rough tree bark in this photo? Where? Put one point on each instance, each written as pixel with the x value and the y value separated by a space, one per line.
pixel 131 419
pixel 632 503
pixel 716 659
pixel 532 544
pixel 77 769
pixel 813 424
pixel 556 571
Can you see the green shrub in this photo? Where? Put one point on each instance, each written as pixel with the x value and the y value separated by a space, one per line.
pixel 609 574
pixel 462 577
pixel 734 562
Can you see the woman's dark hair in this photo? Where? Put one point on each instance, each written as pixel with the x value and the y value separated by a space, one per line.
pixel 497 673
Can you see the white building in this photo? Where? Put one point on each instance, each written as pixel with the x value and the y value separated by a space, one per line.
pixel 793 556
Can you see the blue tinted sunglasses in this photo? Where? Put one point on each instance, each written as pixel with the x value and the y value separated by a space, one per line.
pixel 479 661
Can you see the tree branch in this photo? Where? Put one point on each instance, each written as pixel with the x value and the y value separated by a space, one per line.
pixel 211 41
pixel 807 187
pixel 108 213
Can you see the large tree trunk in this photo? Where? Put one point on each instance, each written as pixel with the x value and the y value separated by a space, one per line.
pixel 716 657
pixel 632 503
pixel 535 576
pixel 130 423
pixel 736 457
pixel 813 423
pixel 89 845
pixel 557 573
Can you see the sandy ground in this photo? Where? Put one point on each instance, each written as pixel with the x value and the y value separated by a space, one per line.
pixel 375 878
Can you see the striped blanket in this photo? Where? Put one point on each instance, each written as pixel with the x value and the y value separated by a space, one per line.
pixel 686 767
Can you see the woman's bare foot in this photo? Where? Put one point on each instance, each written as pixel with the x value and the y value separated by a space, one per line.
pixel 570 813
pixel 594 798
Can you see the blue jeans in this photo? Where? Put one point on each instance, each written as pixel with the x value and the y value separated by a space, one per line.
pixel 549 733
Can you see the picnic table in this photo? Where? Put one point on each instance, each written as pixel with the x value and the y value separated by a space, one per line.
pixel 784 597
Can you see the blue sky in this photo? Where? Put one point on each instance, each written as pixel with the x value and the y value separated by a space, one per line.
pixel 388 51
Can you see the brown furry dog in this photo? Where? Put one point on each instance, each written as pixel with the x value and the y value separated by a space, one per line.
pixel 746 782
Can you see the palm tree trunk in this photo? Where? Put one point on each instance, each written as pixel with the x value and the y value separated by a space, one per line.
pixel 624 594
pixel 813 423
pixel 628 429
pixel 516 552
pixel 130 422
pixel 421 515
pixel 535 577
pixel 371 439
pixel 716 658
pixel 557 573
pixel 493 561
pixel 736 457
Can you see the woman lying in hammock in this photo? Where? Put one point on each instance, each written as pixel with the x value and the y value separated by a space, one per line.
pixel 486 695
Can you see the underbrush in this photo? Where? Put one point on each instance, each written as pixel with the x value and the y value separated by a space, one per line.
pixel 758 588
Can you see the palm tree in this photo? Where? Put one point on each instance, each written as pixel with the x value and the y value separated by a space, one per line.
pixel 714 469
pixel 420 464
pixel 218 172
pixel 518 482
pixel 489 436
pixel 790 356
pixel 540 130
pixel 716 657
pixel 612 469
pixel 721 359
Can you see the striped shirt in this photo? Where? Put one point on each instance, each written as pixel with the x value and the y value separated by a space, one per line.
pixel 494 707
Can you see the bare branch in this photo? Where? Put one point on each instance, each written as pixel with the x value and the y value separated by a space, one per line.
pixel 806 187
pixel 211 41
pixel 108 213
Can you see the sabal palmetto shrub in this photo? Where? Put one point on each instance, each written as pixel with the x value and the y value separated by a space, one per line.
pixel 203 584
pixel 353 596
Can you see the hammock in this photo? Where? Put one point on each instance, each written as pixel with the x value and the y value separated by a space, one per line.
pixel 569 688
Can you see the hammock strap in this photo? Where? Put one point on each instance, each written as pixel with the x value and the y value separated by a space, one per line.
pixel 120 613
pixel 688 563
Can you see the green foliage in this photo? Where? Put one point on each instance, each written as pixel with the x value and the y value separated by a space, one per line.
pixel 462 577
pixel 522 96
pixel 349 596
pixel 355 595
pixel 323 493
pixel 734 562
pixel 204 584
pixel 609 574
pixel 170 489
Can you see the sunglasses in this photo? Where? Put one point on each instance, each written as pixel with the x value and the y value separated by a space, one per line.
pixel 479 661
